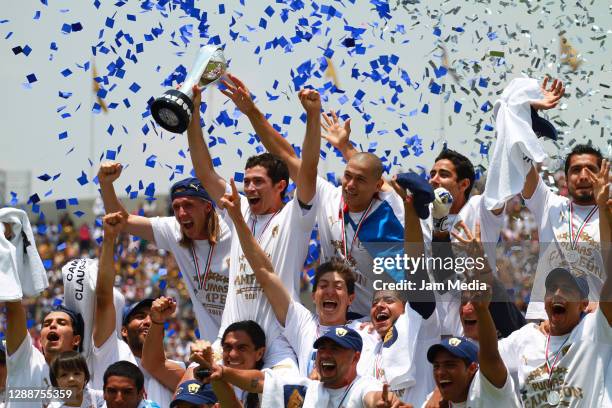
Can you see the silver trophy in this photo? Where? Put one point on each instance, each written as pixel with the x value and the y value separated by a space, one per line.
pixel 172 110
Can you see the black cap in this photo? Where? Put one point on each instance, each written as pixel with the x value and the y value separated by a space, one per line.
pixel 541 127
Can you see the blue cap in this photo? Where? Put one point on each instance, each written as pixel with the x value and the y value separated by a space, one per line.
pixel 422 192
pixel 459 347
pixel 542 127
pixel 129 310
pixel 580 282
pixel 343 336
pixel 189 187
pixel 194 392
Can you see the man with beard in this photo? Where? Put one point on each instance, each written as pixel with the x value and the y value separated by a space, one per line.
pixel 136 322
pixel 62 330
pixel 569 365
pixel 568 228
pixel 282 229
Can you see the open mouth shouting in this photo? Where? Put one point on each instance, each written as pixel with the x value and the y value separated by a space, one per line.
pixel 327 368
pixel 254 200
pixel 329 306
pixel 53 337
pixel 444 385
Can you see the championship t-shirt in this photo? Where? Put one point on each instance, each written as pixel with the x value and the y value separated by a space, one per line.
pixel 380 233
pixel 582 359
pixel 284 236
pixel 554 213
pixel 205 270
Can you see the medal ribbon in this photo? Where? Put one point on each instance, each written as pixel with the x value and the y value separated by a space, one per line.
pixel 202 281
pixel 265 226
pixel 342 214
pixel 346 393
pixel 550 368
pixel 574 239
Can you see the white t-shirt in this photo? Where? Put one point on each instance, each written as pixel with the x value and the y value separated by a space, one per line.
pixel 27 367
pixel 209 301
pixel 399 360
pixel 114 349
pixel 284 236
pixel 301 329
pixel 579 374
pixel 91 399
pixel 383 225
pixel 290 391
pixel 483 394
pixel 353 395
pixel 553 213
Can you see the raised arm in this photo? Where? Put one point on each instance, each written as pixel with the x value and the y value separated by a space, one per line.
pixel 307 175
pixel 104 317
pixel 338 135
pixel 16 326
pixel 601 190
pixel 154 359
pixel 136 225
pixel 200 156
pixel 550 99
pixel 277 294
pixel 273 141
pixel 491 364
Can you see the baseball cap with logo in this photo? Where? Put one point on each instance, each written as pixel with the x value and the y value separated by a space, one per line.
pixel 194 392
pixel 343 336
pixel 459 347
pixel 581 283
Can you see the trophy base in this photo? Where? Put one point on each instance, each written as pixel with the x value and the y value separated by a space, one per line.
pixel 172 111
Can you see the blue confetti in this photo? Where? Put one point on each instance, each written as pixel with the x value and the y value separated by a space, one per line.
pixel 134 87
pixel 83 179
pixel 60 204
pixel 31 78
pixel 63 135
pixel 457 107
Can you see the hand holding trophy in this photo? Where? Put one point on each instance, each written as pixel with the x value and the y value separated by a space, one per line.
pixel 172 110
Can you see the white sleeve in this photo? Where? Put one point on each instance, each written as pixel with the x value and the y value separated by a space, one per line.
pixel 302 217
pixel 111 351
pixel 25 365
pixel 164 231
pixel 504 395
pixel 325 190
pixel 298 323
pixel 538 203
pixel 508 349
pixel 601 330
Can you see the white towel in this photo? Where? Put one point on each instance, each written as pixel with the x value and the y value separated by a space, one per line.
pixel 23 273
pixel 292 391
pixel 79 276
pixel 517 146
pixel 398 350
